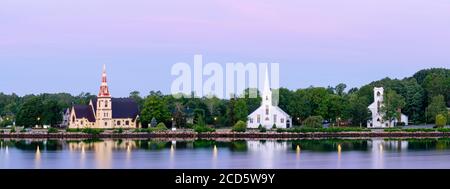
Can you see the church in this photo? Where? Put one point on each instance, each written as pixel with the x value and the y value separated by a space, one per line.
pixel 377 120
pixel 268 115
pixel 105 112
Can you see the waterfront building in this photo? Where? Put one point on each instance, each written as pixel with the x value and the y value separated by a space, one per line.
pixel 268 115
pixel 377 120
pixel 105 112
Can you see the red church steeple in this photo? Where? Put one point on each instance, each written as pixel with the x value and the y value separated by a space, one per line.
pixel 104 91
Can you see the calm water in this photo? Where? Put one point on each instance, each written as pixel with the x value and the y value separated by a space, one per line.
pixel 207 154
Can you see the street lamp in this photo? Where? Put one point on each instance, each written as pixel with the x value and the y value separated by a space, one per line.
pixel 173 124
pixel 38 121
pixel 215 121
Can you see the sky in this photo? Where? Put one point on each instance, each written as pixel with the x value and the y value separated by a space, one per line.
pixel 60 46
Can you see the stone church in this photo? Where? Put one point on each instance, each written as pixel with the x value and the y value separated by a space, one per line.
pixel 105 112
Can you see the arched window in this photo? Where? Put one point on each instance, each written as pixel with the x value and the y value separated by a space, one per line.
pixel 258 119
pixel 118 123
pixel 73 118
pixel 127 123
pixel 106 124
pixel 267 110
pixel 275 118
pixel 378 93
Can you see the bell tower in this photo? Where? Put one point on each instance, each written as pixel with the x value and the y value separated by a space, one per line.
pixel 104 104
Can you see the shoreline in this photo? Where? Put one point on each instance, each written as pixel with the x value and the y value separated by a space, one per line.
pixel 225 135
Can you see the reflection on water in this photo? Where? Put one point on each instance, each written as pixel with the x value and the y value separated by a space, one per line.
pixel 265 154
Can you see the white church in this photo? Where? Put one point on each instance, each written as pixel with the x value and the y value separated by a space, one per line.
pixel 377 117
pixel 268 115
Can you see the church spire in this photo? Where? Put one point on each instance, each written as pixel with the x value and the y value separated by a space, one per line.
pixel 266 82
pixel 267 92
pixel 104 91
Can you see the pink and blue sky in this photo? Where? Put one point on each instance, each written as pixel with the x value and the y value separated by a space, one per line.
pixel 60 46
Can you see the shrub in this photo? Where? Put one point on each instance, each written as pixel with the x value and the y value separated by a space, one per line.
pixel 92 131
pixel 2 131
pixel 203 129
pixel 23 130
pixel 441 121
pixel 444 130
pixel 313 122
pixel 52 130
pixel 240 126
pixel 401 124
pixel 274 126
pixel 13 130
pixel 119 131
pixel 262 129
pixel 159 128
pixel 73 130
pixel 280 130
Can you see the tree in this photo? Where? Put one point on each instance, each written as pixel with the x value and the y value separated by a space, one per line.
pixel 340 89
pixel 437 106
pixel 241 110
pixel 155 107
pixel 441 120
pixel 30 113
pixel 415 101
pixel 355 109
pixel 392 105
pixel 136 96
pixel 314 122
pixel 179 116
pixel 231 112
pixel 51 114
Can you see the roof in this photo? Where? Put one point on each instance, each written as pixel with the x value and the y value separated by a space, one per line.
pixel 84 111
pixel 121 108
pixel 124 108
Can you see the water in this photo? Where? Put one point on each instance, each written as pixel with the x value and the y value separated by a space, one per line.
pixel 208 154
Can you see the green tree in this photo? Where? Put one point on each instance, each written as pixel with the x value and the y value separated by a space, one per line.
pixel 356 109
pixel 392 105
pixel 340 89
pixel 441 120
pixel 241 110
pixel 314 122
pixel 155 107
pixel 136 96
pixel 52 113
pixel 231 112
pixel 437 106
pixel 30 112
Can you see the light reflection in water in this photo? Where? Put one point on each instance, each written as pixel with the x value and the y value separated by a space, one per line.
pixel 37 158
pixel 205 153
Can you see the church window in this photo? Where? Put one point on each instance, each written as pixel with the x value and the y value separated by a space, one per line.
pixel 275 118
pixel 118 123
pixel 282 120
pixel 267 97
pixel 73 118
pixel 251 120
pixel 258 119
pixel 267 119
pixel 267 110
pixel 82 123
pixel 127 123
pixel 106 124
pixel 378 94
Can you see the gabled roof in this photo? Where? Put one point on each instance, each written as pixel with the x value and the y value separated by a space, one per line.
pixel 84 111
pixel 124 108
pixel 121 108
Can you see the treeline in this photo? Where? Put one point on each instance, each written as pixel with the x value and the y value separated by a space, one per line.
pixel 421 97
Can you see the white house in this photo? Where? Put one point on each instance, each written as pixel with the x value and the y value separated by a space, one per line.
pixel 377 117
pixel 267 114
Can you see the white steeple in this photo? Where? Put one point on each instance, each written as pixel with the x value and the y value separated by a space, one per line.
pixel 267 92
